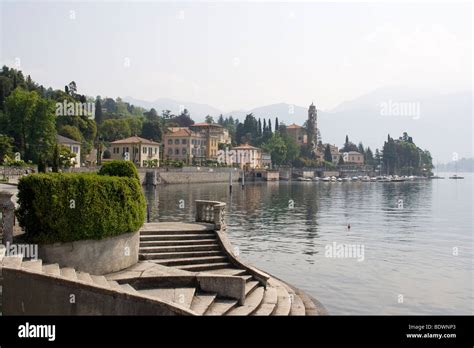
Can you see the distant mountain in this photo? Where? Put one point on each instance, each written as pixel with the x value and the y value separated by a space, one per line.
pixel 441 123
pixel 197 111
pixel 465 165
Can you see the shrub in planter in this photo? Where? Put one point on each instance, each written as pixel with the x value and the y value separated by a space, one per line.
pixel 68 207
pixel 119 168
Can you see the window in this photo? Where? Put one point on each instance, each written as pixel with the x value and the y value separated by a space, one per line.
pixel 176 141
pixel 75 149
pixel 144 150
pixel 156 150
pixel 176 151
pixel 183 151
pixel 170 152
pixel 193 151
pixel 170 141
pixel 183 141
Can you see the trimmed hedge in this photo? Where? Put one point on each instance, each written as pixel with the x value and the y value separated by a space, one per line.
pixel 58 207
pixel 119 168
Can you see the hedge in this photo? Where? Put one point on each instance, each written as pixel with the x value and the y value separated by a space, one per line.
pixel 119 168
pixel 58 207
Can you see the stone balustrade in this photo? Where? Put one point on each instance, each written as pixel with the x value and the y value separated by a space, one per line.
pixel 211 212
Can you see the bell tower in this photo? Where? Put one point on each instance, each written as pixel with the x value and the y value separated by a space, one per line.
pixel 312 126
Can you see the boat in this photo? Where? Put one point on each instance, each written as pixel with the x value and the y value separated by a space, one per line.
pixel 303 179
pixel 339 179
pixel 326 179
pixel 455 177
pixel 355 178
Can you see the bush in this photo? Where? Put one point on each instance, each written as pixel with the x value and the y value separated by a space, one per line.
pixel 68 207
pixel 119 168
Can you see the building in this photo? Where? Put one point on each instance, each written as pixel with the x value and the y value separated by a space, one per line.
pixel 215 134
pixel 74 146
pixel 182 144
pixel 297 133
pixel 136 149
pixel 312 126
pixel 246 156
pixel 266 160
pixel 353 157
pixel 335 154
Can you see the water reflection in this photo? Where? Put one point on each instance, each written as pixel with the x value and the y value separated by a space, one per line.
pixel 283 227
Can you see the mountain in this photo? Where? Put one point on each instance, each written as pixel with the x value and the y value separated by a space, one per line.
pixel 440 123
pixel 197 111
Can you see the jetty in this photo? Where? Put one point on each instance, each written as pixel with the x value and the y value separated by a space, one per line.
pixel 183 269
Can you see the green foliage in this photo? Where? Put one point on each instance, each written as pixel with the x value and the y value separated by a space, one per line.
pixel 151 163
pixel 327 154
pixel 68 207
pixel 70 132
pixel 119 168
pixel 276 147
pixel 6 147
pixel 114 129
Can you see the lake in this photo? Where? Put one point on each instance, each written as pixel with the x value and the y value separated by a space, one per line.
pixel 411 242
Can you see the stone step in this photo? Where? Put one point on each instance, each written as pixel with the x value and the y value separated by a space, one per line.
pixel 252 302
pixel 297 305
pixel 52 269
pixel 249 286
pixel 269 302
pixel 180 296
pixel 178 242
pixel 188 236
pixel 69 273
pixel 283 305
pixel 175 255
pixel 203 267
pixel 13 261
pixel 128 288
pixel 201 302
pixel 247 277
pixel 191 261
pixel 33 265
pixel 100 280
pixel 220 306
pixel 84 277
pixel 175 229
pixel 175 248
pixel 114 285
pixel 228 271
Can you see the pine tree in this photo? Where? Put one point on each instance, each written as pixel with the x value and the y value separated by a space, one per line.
pixel 270 126
pixel 327 154
pixel 277 126
pixel 98 117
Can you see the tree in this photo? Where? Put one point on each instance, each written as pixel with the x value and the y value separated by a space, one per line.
pixel 276 147
pixel 327 154
pixel 70 132
pixel 209 119
pixel 151 115
pixel 341 161
pixel 98 117
pixel 30 121
pixel 276 125
pixel 6 147
pixel 360 149
pixel 112 130
pixel 152 130
pixel 369 157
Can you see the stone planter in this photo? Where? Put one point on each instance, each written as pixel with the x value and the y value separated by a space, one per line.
pixel 94 256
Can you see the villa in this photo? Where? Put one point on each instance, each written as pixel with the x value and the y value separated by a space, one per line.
pixel 136 149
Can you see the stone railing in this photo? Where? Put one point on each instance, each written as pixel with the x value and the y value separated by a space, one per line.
pixel 211 212
pixel 7 208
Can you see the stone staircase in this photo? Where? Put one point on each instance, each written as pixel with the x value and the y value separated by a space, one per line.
pixel 197 248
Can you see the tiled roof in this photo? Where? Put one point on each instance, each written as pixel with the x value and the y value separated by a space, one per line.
pixel 63 140
pixel 245 147
pixel 205 124
pixel 293 126
pixel 135 140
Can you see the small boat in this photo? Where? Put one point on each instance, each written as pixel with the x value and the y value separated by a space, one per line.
pixel 455 177
pixel 436 177
pixel 355 178
pixel 303 179
pixel 339 179
pixel 366 179
pixel 316 178
pixel 326 179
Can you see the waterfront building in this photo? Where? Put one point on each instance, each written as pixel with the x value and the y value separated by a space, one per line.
pixel 182 144
pixel 136 149
pixel 297 133
pixel 215 134
pixel 353 157
pixel 74 146
pixel 246 156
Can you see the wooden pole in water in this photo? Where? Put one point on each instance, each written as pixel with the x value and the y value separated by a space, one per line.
pixel 243 179
pixel 230 181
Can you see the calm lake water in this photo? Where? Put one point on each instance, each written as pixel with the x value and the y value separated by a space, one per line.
pixel 417 252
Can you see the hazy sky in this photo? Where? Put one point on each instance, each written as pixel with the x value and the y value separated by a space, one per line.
pixel 240 55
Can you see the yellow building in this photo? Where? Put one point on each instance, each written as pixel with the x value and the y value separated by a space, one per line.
pixel 298 134
pixel 136 149
pixel 182 144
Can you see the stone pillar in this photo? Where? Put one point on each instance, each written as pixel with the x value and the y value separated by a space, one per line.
pixel 7 208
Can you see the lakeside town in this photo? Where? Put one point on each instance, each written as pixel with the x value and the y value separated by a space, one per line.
pixel 61 130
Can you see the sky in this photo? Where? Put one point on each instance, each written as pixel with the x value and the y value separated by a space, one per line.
pixel 240 55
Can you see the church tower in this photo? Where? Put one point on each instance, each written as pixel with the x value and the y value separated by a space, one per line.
pixel 312 126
